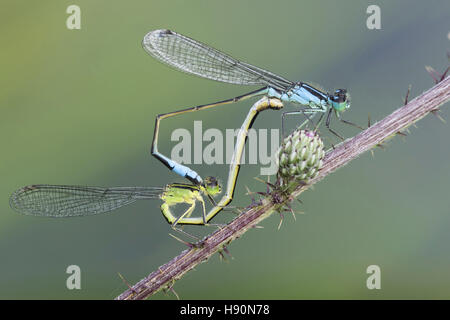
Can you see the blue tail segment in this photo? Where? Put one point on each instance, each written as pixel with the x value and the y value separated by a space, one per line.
pixel 179 169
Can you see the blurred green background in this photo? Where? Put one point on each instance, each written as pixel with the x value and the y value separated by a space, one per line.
pixel 78 107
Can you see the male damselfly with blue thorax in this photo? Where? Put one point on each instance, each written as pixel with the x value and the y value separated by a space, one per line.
pixel 193 57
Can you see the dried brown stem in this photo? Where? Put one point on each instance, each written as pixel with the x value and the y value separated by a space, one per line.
pixel 166 275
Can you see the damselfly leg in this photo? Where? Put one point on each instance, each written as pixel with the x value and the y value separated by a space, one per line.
pixel 338 116
pixel 302 112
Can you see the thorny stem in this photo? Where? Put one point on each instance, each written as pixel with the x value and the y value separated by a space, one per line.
pixel 166 275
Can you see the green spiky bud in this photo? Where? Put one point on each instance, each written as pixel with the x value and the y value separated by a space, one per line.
pixel 300 157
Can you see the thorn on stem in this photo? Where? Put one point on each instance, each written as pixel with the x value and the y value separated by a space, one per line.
pixel 173 291
pixel 437 77
pixel 444 74
pixel 432 73
pixel 126 283
pixel 271 185
pixel 292 211
pixel 249 192
pixel 222 256
pixel 254 203
pixel 190 245
pixel 407 95
pixel 281 220
pixel 435 112
pixel 225 249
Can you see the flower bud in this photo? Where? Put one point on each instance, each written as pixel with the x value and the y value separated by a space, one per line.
pixel 300 157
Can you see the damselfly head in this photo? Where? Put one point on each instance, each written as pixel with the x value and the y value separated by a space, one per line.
pixel 340 100
pixel 212 186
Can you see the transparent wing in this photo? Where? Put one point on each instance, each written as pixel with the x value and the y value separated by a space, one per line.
pixel 69 201
pixel 190 56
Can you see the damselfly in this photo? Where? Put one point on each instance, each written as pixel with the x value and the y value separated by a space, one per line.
pixel 190 56
pixel 70 201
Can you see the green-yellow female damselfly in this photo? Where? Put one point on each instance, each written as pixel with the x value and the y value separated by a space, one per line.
pixel 71 201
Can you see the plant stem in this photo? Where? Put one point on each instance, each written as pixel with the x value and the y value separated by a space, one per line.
pixel 348 150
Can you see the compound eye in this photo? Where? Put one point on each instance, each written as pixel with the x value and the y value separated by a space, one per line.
pixel 340 95
pixel 211 181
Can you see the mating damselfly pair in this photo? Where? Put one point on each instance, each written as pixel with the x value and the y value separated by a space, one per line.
pixel 193 57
